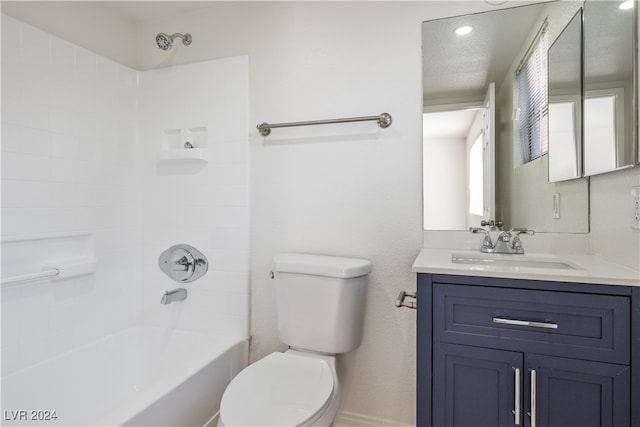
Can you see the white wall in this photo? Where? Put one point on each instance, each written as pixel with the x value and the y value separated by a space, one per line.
pixel 446 157
pixel 343 194
pixel 611 232
pixel 68 192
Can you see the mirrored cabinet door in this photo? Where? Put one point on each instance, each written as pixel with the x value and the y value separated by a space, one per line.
pixel 565 103
pixel 610 124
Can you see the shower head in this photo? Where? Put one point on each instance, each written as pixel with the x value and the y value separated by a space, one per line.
pixel 165 41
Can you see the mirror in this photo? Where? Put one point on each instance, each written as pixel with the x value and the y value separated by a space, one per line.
pixel 609 134
pixel 461 169
pixel 565 103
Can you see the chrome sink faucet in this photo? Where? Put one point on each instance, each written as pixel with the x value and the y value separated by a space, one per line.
pixel 508 242
pixel 174 295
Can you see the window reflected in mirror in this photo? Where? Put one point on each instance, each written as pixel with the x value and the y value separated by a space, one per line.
pixel 532 101
pixel 603 128
pixel 563 140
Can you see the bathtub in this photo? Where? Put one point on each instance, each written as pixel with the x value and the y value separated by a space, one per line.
pixel 142 376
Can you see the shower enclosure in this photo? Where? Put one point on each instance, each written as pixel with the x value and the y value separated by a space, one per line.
pixel 105 167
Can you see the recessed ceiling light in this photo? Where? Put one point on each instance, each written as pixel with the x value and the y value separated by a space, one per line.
pixel 461 31
pixel 625 5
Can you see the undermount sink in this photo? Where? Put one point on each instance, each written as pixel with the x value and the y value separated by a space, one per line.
pixel 514 261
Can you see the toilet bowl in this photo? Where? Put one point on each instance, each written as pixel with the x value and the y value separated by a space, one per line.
pixel 283 389
pixel 320 301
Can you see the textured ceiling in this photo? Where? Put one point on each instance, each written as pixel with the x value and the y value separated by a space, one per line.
pixel 460 68
pixel 608 42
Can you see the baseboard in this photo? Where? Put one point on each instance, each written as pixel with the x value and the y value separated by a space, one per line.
pixel 343 419
pixel 351 419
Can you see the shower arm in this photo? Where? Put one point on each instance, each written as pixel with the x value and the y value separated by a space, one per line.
pixel 186 38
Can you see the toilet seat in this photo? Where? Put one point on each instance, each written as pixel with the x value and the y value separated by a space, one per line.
pixel 281 390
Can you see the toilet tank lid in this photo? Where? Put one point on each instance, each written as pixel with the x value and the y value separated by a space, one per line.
pixel 321 265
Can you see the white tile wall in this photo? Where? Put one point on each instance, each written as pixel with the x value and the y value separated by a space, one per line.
pixel 68 133
pixel 202 204
pixel 77 180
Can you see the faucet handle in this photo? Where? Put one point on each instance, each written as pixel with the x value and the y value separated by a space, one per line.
pixel 519 230
pixel 493 225
pixel 475 230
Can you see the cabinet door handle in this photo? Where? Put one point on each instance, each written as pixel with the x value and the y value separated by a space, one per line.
pixel 516 411
pixel 544 325
pixel 533 398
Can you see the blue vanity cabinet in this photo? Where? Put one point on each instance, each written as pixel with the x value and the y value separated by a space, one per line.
pixel 509 352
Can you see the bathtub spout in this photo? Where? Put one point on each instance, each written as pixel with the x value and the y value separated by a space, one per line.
pixel 174 295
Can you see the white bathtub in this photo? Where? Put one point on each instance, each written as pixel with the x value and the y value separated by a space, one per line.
pixel 143 376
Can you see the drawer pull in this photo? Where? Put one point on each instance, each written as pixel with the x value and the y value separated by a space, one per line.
pixel 525 323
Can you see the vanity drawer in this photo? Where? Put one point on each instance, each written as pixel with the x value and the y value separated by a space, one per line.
pixel 584 326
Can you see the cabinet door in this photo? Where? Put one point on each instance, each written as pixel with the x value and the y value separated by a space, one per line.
pixel 476 387
pixel 566 392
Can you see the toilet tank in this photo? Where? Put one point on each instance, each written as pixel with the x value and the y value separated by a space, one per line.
pixel 321 301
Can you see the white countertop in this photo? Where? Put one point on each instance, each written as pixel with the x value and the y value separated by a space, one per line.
pixel 587 268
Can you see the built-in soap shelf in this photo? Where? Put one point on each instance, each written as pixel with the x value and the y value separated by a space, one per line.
pixel 185 145
pixel 190 154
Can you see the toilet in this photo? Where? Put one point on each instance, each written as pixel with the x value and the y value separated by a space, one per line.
pixel 320 304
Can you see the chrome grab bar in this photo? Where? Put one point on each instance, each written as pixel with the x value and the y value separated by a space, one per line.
pixel 63 270
pixel 14 280
pixel 532 324
pixel 400 301
pixel 384 121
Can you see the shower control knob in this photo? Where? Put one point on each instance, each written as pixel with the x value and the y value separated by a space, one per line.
pixel 183 263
